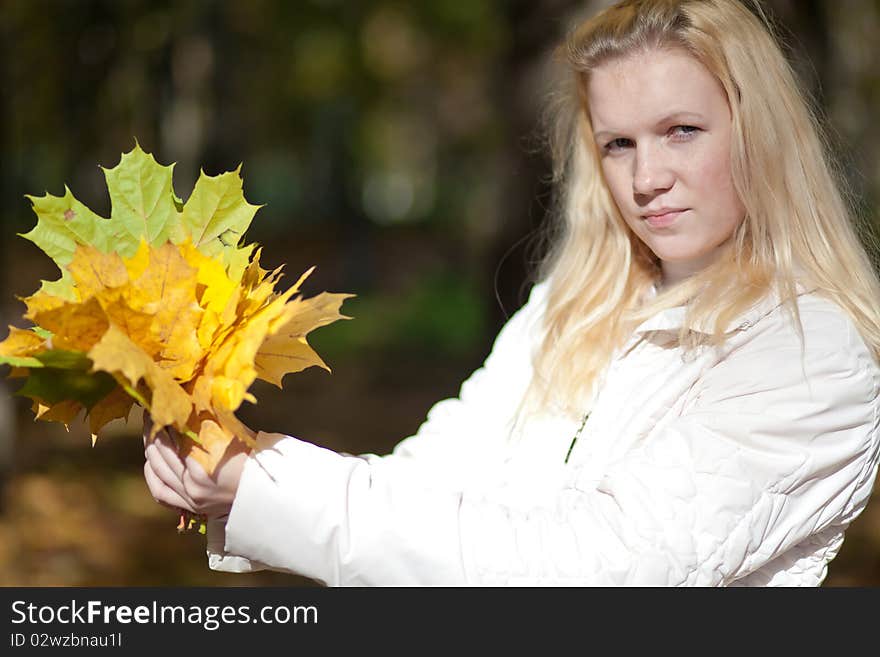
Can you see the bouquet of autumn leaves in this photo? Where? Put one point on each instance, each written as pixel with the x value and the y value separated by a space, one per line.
pixel 162 306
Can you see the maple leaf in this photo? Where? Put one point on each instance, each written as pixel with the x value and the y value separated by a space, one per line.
pixel 162 305
pixel 20 346
pixel 75 326
pixel 213 441
pixel 63 223
pixel 117 354
pixel 142 201
pixel 286 350
pixel 116 405
pixel 216 215
pixel 51 386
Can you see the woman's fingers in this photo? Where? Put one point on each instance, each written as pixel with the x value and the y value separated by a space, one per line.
pixel 160 449
pixel 164 473
pixel 203 489
pixel 214 493
pixel 162 493
pixel 165 444
pixel 184 483
pixel 166 448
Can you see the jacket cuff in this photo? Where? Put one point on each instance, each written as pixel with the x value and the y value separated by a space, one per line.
pixel 218 557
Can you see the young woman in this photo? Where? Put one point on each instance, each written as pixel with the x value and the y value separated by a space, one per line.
pixel 690 394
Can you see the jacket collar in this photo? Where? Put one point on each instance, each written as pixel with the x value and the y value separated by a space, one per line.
pixel 673 319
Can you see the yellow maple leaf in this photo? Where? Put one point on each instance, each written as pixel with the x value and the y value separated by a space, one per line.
pixel 214 439
pixel 43 300
pixel 94 271
pixel 63 411
pixel 76 326
pixel 21 343
pixel 117 354
pixel 286 351
pixel 115 405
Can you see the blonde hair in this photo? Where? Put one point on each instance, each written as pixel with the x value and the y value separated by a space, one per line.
pixel 797 227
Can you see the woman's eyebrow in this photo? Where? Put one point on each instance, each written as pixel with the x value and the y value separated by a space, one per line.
pixel 679 117
pixel 673 117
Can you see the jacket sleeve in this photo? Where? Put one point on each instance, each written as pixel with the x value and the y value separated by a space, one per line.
pixel 461 435
pixel 763 458
pixel 458 438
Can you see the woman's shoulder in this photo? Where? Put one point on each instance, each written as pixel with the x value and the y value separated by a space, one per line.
pixel 538 292
pixel 532 311
pixel 823 318
pixel 821 329
pixel 815 360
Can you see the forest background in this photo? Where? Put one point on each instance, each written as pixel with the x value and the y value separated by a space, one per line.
pixel 394 144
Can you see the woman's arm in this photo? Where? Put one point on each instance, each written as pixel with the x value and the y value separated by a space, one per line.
pixel 776 446
pixel 453 445
pixel 462 434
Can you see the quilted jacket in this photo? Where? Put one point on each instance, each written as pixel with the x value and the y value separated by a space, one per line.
pixel 739 465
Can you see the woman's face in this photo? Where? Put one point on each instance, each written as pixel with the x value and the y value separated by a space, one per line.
pixel 662 127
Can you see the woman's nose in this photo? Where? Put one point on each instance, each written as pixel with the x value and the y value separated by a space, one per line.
pixel 652 173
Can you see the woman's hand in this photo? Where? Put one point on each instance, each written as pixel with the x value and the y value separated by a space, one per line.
pixel 183 483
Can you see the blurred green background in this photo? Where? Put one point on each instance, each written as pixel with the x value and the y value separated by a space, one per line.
pixel 394 146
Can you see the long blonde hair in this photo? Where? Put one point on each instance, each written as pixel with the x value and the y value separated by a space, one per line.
pixel 797 227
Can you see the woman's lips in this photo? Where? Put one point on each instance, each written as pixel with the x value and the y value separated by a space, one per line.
pixel 663 220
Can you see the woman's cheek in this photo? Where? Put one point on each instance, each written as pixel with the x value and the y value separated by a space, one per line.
pixel 718 190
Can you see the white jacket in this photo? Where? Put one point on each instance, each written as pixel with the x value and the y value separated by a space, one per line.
pixel 740 466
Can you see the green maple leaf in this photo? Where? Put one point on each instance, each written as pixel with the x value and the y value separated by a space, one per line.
pixel 142 201
pixel 144 206
pixel 58 375
pixel 63 223
pixel 55 384
pixel 63 359
pixel 56 358
pixel 216 215
pixel 62 288
pixel 236 260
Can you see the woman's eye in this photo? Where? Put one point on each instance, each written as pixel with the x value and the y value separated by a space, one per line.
pixel 617 144
pixel 684 131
